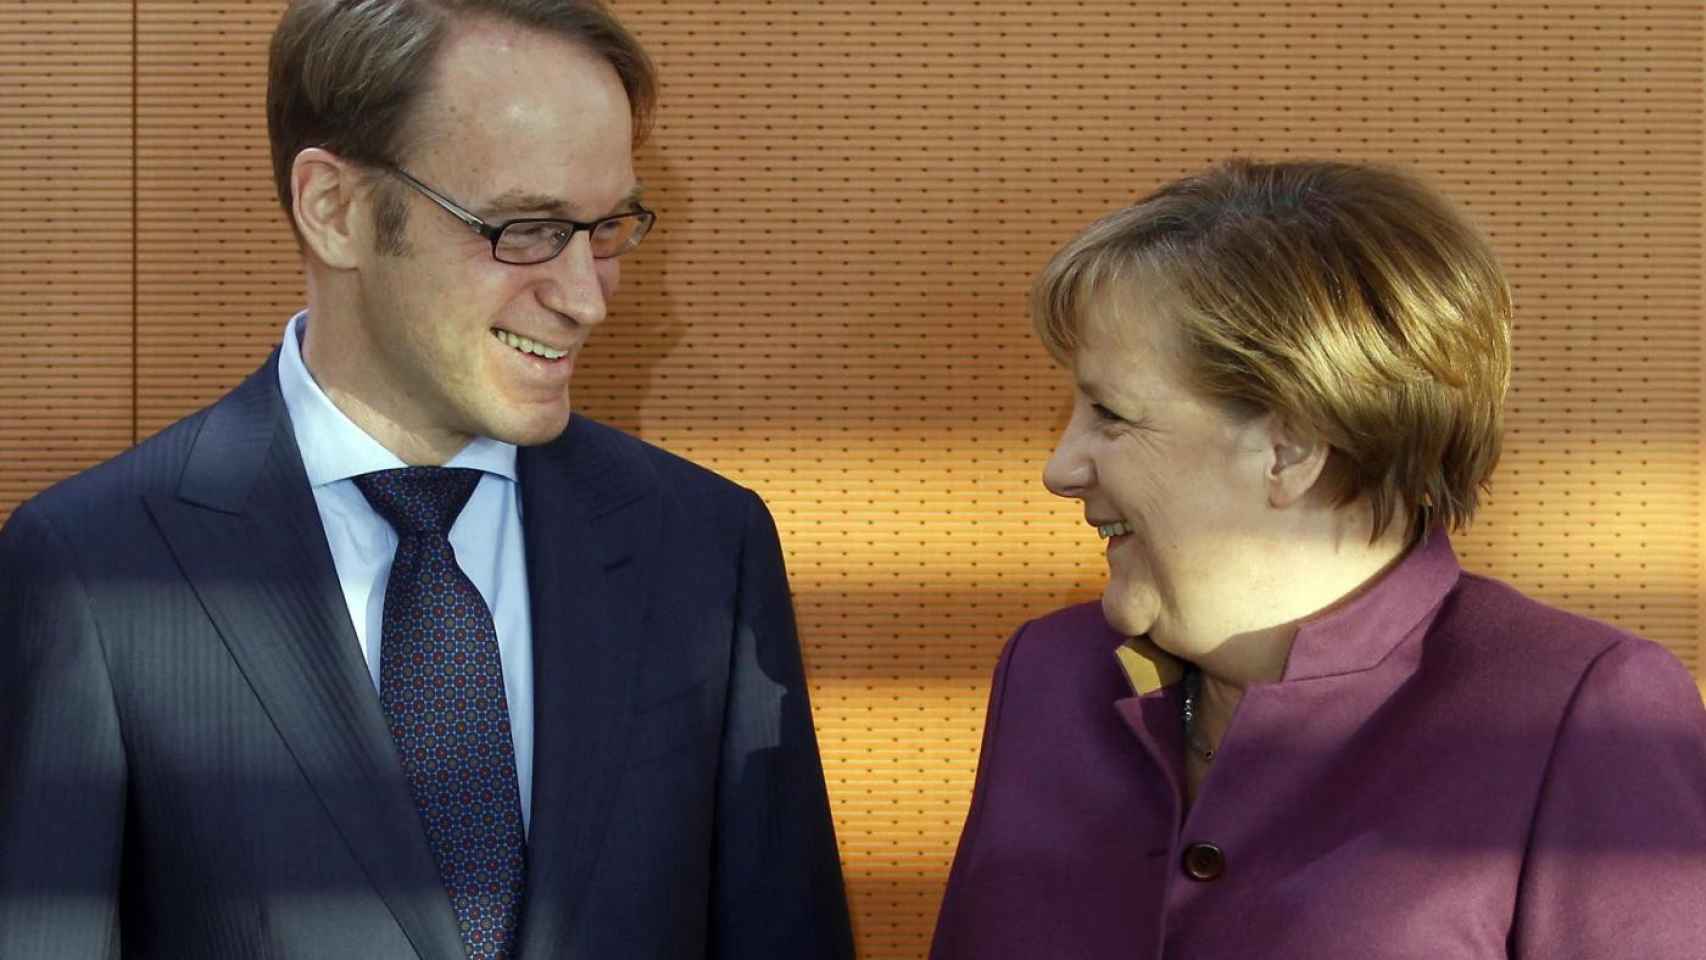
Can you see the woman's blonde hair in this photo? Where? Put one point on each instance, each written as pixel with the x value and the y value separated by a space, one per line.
pixel 1351 301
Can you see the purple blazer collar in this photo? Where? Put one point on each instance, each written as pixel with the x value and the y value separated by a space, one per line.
pixel 1348 639
pixel 1360 634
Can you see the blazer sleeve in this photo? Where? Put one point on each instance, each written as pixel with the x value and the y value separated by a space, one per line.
pixel 777 882
pixel 958 919
pixel 62 765
pixel 1616 863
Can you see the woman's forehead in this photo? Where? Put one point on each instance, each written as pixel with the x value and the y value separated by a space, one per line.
pixel 1135 313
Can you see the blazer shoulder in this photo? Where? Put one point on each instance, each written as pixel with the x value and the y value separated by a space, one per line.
pixel 618 464
pixel 154 466
pixel 1524 625
pixel 1080 627
pixel 1071 645
pixel 1509 633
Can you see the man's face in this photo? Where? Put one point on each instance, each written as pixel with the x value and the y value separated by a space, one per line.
pixel 516 123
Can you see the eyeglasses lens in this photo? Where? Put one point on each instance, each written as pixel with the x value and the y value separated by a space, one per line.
pixel 535 241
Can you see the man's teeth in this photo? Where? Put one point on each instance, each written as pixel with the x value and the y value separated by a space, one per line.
pixel 529 346
pixel 1107 530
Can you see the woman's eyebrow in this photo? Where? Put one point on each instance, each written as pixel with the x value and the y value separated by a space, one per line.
pixel 1091 390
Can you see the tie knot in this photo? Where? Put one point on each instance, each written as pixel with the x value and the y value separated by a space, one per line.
pixel 419 499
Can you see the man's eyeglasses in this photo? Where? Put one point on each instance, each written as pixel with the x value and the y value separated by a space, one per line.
pixel 535 239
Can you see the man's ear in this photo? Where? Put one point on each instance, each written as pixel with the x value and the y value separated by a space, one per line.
pixel 1296 461
pixel 325 192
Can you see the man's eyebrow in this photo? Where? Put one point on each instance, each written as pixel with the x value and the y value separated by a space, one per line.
pixel 517 201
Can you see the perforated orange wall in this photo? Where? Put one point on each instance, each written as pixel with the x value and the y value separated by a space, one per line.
pixel 66 319
pixel 854 196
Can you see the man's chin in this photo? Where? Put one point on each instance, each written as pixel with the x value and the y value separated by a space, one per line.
pixel 533 431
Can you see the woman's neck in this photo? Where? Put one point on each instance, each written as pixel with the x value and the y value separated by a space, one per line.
pixel 1334 572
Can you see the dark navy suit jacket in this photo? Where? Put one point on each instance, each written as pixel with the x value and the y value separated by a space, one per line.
pixel 193 761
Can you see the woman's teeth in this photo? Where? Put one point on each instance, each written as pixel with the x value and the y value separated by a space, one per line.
pixel 529 346
pixel 1107 530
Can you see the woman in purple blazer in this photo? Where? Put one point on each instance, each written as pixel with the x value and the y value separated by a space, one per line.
pixel 1295 727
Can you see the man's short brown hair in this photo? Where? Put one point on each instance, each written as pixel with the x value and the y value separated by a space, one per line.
pixel 345 74
pixel 1352 301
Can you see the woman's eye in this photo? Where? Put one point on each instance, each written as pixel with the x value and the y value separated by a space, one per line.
pixel 1104 414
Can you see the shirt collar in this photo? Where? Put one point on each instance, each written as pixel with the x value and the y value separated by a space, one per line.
pixel 333 448
pixel 1147 667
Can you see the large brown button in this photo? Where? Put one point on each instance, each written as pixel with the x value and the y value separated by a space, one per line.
pixel 1204 861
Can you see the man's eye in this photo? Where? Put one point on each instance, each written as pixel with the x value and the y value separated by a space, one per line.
pixel 1104 414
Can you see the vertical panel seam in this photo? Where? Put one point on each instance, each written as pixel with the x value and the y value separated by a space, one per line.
pixel 135 224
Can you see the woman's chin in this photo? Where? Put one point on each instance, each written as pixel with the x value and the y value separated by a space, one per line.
pixel 1128 617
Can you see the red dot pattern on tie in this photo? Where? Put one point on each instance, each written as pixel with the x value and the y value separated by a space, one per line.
pixel 441 686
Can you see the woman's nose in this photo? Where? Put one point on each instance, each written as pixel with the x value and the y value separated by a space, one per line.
pixel 1068 473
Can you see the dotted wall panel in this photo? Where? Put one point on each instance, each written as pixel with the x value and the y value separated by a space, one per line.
pixel 854 196
pixel 66 280
pixel 217 268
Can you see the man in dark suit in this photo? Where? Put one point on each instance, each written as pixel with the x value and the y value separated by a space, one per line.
pixel 383 655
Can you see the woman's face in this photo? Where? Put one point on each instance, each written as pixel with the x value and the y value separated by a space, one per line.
pixel 1175 482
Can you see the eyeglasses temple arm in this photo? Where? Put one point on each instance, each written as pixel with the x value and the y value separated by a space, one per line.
pixel 474 223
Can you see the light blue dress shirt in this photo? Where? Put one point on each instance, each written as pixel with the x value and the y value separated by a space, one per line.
pixel 486 536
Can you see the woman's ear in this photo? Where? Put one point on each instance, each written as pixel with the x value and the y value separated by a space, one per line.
pixel 1295 462
pixel 324 190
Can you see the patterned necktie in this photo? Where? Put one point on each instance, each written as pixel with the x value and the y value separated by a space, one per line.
pixel 442 688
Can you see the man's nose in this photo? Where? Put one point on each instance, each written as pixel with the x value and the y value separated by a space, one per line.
pixel 576 290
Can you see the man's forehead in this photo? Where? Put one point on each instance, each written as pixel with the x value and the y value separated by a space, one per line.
pixel 522 120
pixel 499 71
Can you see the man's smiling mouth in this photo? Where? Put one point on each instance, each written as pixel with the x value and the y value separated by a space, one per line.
pixel 528 345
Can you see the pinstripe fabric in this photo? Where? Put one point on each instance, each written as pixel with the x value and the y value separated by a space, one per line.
pixel 194 764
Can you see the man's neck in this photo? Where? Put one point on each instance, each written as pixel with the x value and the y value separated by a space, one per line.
pixel 411 445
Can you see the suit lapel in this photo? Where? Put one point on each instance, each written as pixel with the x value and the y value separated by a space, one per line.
pixel 588 513
pixel 247 534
